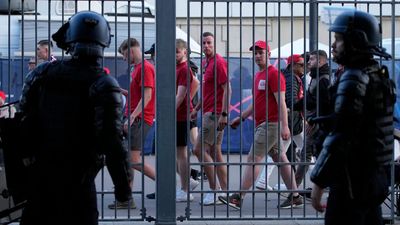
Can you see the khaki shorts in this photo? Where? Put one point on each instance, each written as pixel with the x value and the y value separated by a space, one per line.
pixel 259 146
pixel 136 134
pixel 208 129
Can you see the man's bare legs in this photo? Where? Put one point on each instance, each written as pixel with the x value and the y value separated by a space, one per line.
pixel 287 173
pixel 248 178
pixel 221 170
pixel 183 167
pixel 205 157
pixel 193 135
pixel 210 156
pixel 136 161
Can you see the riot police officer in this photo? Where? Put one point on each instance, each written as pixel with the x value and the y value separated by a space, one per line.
pixel 357 152
pixel 71 115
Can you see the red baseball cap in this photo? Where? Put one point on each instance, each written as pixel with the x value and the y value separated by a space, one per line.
pixel 3 95
pixel 295 58
pixel 261 45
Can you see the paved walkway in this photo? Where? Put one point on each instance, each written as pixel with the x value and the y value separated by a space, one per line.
pixel 259 206
pixel 287 222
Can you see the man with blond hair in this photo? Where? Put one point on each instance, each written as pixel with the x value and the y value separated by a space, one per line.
pixel 140 119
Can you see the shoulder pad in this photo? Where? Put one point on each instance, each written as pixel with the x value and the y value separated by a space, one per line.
pixel 355 74
pixel 105 83
pixel 353 81
pixel 37 72
pixel 352 89
pixel 42 67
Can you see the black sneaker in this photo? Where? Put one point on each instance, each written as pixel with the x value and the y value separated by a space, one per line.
pixel 292 202
pixel 233 201
pixel 306 194
pixel 194 174
pixel 151 196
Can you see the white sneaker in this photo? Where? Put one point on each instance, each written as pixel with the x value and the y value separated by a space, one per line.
pixel 193 184
pixel 261 185
pixel 181 196
pixel 210 200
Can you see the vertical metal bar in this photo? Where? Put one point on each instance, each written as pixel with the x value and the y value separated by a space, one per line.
pixel 36 25
pixel 313 25
pixel 278 102
pixel 143 106
pixel 305 85
pixel 241 107
pixel 392 76
pixel 22 50
pixel 102 171
pixel 201 115
pixel 166 113
pixel 130 72
pixel 266 157
pixel 330 49
pixel 381 22
pixel 188 102
pixel 62 51
pixel 318 93
pixel 291 96
pixel 215 105
pixel 304 80
pixel 116 47
pixel 254 105
pixel 48 30
pixel 9 48
pixel 228 104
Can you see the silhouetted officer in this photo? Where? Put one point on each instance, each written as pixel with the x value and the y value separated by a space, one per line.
pixel 71 117
pixel 356 153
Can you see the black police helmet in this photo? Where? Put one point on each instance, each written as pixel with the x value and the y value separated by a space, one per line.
pixel 359 27
pixel 84 27
pixel 88 27
pixel 361 30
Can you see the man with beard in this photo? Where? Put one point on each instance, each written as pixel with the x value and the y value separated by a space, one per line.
pixel 357 152
pixel 317 104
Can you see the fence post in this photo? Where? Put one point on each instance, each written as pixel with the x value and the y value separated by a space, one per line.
pixel 166 112
pixel 313 25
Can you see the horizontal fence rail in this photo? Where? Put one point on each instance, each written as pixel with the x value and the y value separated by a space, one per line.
pixel 211 171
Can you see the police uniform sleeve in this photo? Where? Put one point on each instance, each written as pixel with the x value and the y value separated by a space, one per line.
pixel 30 88
pixel 108 124
pixel 349 105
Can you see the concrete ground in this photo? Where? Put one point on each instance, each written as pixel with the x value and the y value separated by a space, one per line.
pixel 286 222
pixel 259 207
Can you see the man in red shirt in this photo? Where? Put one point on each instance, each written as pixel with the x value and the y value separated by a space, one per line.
pixel 268 78
pixel 139 119
pixel 183 90
pixel 215 112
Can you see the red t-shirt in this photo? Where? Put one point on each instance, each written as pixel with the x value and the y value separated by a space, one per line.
pixel 208 83
pixel 260 94
pixel 136 90
pixel 181 80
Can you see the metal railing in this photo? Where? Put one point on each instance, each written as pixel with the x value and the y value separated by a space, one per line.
pixel 236 25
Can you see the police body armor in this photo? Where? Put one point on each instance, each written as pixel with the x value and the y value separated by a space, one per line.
pixel 362 139
pixel 71 115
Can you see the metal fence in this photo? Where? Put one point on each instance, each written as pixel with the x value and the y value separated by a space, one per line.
pixel 288 27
